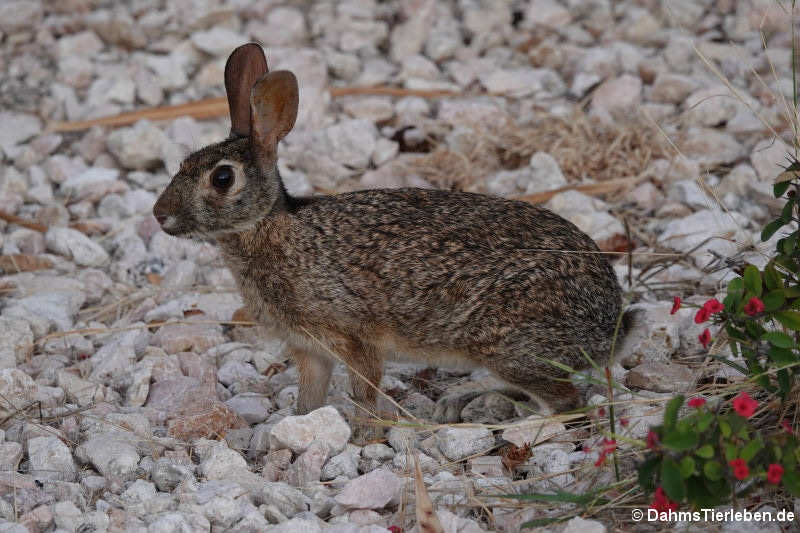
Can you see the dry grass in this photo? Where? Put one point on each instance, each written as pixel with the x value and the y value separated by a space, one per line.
pixel 585 148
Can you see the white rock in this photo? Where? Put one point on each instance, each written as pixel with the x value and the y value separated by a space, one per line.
pixel 16 15
pixel 688 232
pixel 581 525
pixel 370 491
pixel 298 432
pixel 533 430
pixel 297 525
pixel 710 147
pixel 254 408
pixel 66 515
pixel 45 309
pixel 217 40
pixel 459 443
pixel 170 522
pixel 523 81
pixel 17 128
pixel 344 464
pixel 140 147
pixel 620 95
pixel 767 156
pixel 546 174
pixel 286 498
pixel 79 186
pixel 351 142
pixel 111 454
pixel 16 342
pixel 86 44
pixel 589 214
pixel 547 13
pixel 169 70
pixel 672 88
pixel 711 107
pixel 76 246
pixel 285 26
pixel 654 335
pixel 50 459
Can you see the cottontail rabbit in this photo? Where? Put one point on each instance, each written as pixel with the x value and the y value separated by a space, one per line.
pixel 440 277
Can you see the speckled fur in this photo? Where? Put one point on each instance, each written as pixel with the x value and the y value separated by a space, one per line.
pixel 440 277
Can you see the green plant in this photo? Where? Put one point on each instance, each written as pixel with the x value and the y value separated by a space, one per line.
pixel 708 457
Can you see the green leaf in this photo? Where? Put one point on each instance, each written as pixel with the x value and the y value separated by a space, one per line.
pixel 699 495
pixel 735 285
pixel 780 188
pixel 772 278
pixel 751 449
pixel 773 300
pixel 752 280
pixel 782 356
pixel 791 480
pixel 786 212
pixel 790 319
pixel 647 472
pixel 731 452
pixel 671 480
pixel 671 412
pixel 712 470
pixel 784 382
pixel 706 451
pixel 704 420
pixel 778 338
pixel 770 229
pixel 687 467
pixel 678 441
pixel 725 428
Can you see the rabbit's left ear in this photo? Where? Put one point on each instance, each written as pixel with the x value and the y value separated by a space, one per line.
pixel 273 103
pixel 244 67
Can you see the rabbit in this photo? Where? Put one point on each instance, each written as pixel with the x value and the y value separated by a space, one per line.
pixel 439 277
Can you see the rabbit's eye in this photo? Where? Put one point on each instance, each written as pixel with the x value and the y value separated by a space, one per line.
pixel 222 177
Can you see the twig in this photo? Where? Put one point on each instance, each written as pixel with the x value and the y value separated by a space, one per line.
pixel 217 107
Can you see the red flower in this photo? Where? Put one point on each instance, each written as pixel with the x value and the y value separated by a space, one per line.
pixel 608 447
pixel 787 426
pixel 662 503
pixel 395 529
pixel 652 440
pixel 774 473
pixel 744 405
pixel 754 306
pixel 586 448
pixel 601 411
pixel 676 304
pixel 705 338
pixel 624 422
pixel 702 315
pixel 697 402
pixel 740 470
pixel 713 306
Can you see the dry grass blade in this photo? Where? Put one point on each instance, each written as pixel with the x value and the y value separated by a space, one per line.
pixel 19 221
pixel 427 521
pixel 604 187
pixel 218 107
pixel 14 263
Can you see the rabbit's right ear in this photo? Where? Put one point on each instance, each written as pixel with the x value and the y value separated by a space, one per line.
pixel 273 103
pixel 244 67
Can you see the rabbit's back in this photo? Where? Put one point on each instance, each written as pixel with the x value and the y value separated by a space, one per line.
pixel 439 270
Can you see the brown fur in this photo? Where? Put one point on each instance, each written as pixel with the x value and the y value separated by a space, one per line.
pixel 441 277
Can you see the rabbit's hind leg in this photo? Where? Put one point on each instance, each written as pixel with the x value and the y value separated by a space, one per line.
pixel 365 369
pixel 315 375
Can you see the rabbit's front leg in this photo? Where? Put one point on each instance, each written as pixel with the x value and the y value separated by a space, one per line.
pixel 315 375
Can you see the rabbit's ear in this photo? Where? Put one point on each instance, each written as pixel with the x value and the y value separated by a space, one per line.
pixel 273 101
pixel 244 67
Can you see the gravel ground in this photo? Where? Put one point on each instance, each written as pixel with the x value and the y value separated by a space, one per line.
pixel 112 421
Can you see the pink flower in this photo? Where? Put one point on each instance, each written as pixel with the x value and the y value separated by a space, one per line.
pixel 744 405
pixel 624 422
pixel 608 446
pixel 774 473
pixel 697 402
pixel 702 315
pixel 662 503
pixel 676 304
pixel 705 338
pixel 714 306
pixel 754 306
pixel 740 470
pixel 787 426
